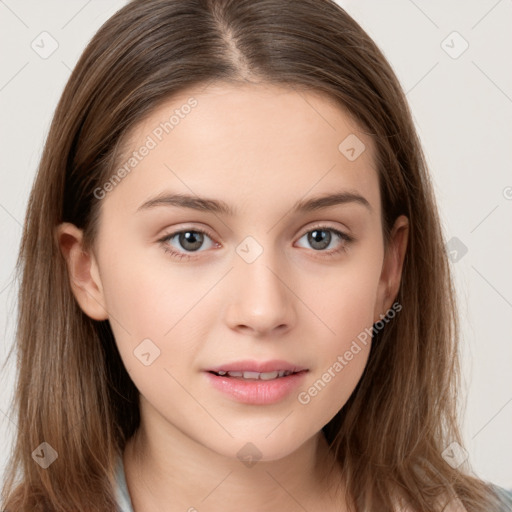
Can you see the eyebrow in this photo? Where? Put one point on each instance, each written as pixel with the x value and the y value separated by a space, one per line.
pixel 221 207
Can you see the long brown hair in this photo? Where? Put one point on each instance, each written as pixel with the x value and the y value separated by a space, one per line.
pixel 72 389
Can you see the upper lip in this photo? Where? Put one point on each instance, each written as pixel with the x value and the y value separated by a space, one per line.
pixel 257 366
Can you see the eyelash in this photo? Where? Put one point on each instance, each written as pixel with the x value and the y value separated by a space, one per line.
pixel 185 256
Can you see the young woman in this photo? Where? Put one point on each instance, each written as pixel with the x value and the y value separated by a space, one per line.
pixel 234 290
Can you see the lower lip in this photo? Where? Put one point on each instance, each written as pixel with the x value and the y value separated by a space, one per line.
pixel 257 392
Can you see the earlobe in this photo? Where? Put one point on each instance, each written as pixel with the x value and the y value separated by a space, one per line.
pixel 83 272
pixel 391 274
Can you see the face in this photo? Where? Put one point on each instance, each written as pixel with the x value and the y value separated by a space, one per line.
pixel 240 272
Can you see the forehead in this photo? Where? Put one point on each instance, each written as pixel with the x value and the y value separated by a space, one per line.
pixel 238 142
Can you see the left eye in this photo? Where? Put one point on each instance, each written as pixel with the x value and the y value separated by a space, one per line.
pixel 321 237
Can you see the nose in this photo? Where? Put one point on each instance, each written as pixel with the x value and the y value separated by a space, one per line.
pixel 261 300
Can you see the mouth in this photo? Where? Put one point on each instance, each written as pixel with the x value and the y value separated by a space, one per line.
pixel 254 383
pixel 248 375
pixel 251 369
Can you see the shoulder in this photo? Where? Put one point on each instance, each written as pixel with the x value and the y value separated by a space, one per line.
pixel 455 505
pixel 444 503
pixel 122 495
pixel 505 496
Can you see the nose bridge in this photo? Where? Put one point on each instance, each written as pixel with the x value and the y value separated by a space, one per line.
pixel 260 299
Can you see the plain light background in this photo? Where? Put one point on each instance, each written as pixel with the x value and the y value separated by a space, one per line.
pixel 453 60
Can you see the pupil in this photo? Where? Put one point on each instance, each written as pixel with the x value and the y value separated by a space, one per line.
pixel 315 237
pixel 191 237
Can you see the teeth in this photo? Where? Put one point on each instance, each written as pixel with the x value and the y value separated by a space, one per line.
pixel 257 375
pixel 270 375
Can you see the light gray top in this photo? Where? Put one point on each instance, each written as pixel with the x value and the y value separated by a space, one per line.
pixel 125 504
pixel 123 497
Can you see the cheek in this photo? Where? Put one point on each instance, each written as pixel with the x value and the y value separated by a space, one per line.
pixel 344 298
pixel 344 305
pixel 341 356
pixel 329 389
pixel 160 314
pixel 149 296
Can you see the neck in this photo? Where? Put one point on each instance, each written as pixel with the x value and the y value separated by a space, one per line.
pixel 167 470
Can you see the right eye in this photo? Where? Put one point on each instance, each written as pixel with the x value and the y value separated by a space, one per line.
pixel 189 240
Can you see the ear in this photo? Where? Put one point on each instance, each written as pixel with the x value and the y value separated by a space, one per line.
pixel 391 274
pixel 83 271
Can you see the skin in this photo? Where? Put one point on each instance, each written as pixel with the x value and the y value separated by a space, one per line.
pixel 259 148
